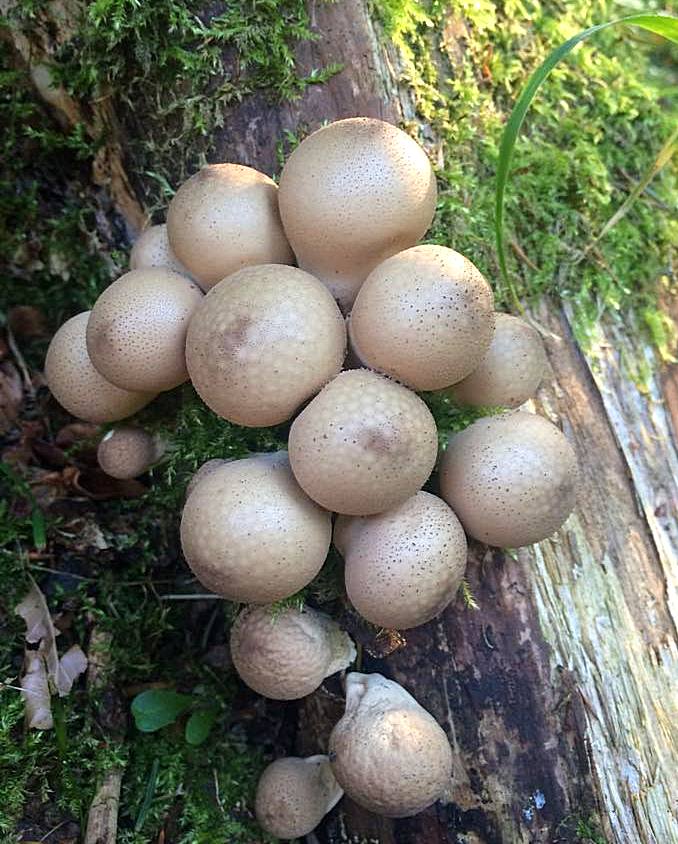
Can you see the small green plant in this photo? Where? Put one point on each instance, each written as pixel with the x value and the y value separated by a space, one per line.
pixel 154 709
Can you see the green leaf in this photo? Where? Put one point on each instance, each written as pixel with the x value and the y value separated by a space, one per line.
pixel 663 25
pixel 199 725
pixel 156 708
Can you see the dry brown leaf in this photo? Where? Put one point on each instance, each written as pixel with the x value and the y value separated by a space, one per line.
pixel 35 692
pixel 71 665
pixel 27 322
pixel 11 395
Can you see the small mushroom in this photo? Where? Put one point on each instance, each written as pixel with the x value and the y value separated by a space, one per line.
pixel 128 452
pixel 262 342
pixel 223 218
pixel 511 370
pixel 136 335
pixel 152 249
pixel 294 795
pixel 511 479
pixel 363 445
pixel 287 655
pixel 250 533
pixel 351 194
pixel 387 752
pixel 404 566
pixel 76 384
pixel 424 316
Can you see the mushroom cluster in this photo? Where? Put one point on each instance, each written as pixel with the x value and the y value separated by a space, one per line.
pixel 314 304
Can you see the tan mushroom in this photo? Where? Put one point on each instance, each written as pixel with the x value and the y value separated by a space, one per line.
pixel 294 795
pixel 263 341
pixel 510 372
pixel 136 335
pixel 128 452
pixel 250 533
pixel 223 218
pixel 363 445
pixel 152 249
pixel 352 194
pixel 424 316
pixel 404 566
pixel 287 655
pixel 387 752
pixel 511 479
pixel 76 384
pixel 208 468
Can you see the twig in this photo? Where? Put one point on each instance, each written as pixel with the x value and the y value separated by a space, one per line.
pixel 523 256
pixel 21 363
pixel 194 597
pixel 53 830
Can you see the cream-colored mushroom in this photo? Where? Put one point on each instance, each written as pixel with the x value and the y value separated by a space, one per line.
pixel 294 795
pixel 207 469
pixel 152 249
pixel 128 452
pixel 387 752
pixel 287 655
pixel 352 194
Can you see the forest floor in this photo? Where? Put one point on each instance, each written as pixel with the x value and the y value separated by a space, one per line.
pixel 106 554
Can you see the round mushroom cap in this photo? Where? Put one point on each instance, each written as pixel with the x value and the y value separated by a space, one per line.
pixel 294 795
pixel 351 194
pixel 249 532
pixel 136 335
pixel 152 249
pixel 363 445
pixel 128 452
pixel 287 655
pixel 76 384
pixel 404 566
pixel 387 752
pixel 424 316
pixel 262 342
pixel 511 479
pixel 511 370
pixel 223 218
pixel 207 469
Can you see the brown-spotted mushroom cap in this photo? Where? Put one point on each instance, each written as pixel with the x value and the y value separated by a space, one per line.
pixel 404 566
pixel 287 655
pixel 294 795
pixel 387 752
pixel 223 218
pixel 136 335
pixel 262 342
pixel 511 479
pixel 127 452
pixel 511 370
pixel 250 533
pixel 152 249
pixel 208 468
pixel 363 445
pixel 77 385
pixel 424 316
pixel 351 194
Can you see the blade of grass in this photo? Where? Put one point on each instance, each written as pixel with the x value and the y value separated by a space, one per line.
pixel 149 794
pixel 663 25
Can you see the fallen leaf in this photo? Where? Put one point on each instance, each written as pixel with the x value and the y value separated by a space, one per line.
pixel 71 665
pixel 76 432
pixel 96 484
pixel 35 692
pixel 27 321
pixel 11 396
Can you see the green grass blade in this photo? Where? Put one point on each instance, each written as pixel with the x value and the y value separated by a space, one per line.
pixel 663 25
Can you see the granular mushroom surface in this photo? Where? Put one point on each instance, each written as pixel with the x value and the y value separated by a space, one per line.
pixel 152 249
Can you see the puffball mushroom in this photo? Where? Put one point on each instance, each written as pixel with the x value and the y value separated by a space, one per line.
pixel 404 566
pixel 352 194
pixel 294 795
pixel 387 752
pixel 78 386
pixel 207 469
pixel 287 655
pixel 250 533
pixel 262 342
pixel 127 452
pixel 424 316
pixel 511 370
pixel 136 334
pixel 223 218
pixel 152 249
pixel 511 479
pixel 364 444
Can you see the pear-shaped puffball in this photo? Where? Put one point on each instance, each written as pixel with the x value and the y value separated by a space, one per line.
pixel 387 752
pixel 287 655
pixel 224 218
pixel 294 795
pixel 128 452
pixel 251 534
pixel 511 370
pixel 351 194
pixel 152 249
pixel 404 566
pixel 363 445
pixel 78 386
pixel 511 479
pixel 262 342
